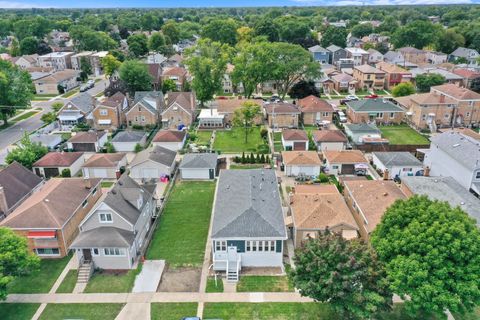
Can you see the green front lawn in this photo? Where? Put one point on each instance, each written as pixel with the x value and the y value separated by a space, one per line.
pixel 264 311
pixel 172 311
pixel 70 93
pixel 212 287
pixel 24 116
pixel 233 141
pixel 106 184
pixel 203 137
pixel 182 232
pixel 18 311
pixel 264 284
pixel 42 280
pixel 68 284
pixel 402 134
pixel 246 166
pixel 104 282
pixel 84 311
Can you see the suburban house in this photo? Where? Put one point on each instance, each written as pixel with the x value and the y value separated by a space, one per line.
pixel 362 133
pixel 329 140
pixel 76 110
pixel 248 227
pixel 315 110
pixel 170 139
pixel 76 59
pixel 413 55
pixel 153 163
pixel 199 166
pixel 177 74
pixel 469 55
pixel 227 107
pixel 155 71
pixel 317 208
pixel 374 110
pixel 443 189
pixel 471 78
pixel 126 141
pixel 51 141
pixel 210 119
pixel 358 55
pixel 301 163
pixel 105 165
pixel 374 56
pixel 450 77
pixel 397 164
pixel 454 154
pixel 369 77
pixel 146 109
pixel 53 164
pixel 113 234
pixel 369 199
pixel 344 161
pixel 87 141
pixel 337 53
pixel 434 57
pixel 343 82
pixel 26 61
pixel 321 55
pixel 17 183
pixel 179 111
pixel 294 139
pixel 109 114
pixel 282 115
pixel 50 83
pixel 57 60
pixel 49 218
pixel 393 74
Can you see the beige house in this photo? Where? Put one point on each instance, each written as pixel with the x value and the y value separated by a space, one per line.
pixel 282 115
pixel 315 110
pixel 57 60
pixel 316 208
pixel 343 162
pixel 50 83
pixel 180 110
pixel 227 107
pixel 369 77
pixel 109 115
pixel 26 61
pixel 105 165
pixel 413 55
pixel 146 109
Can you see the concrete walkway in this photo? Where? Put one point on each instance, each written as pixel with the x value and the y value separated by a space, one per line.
pixel 149 277
pixel 137 311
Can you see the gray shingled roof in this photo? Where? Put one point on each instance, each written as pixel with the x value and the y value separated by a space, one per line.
pixel 445 189
pixel 460 147
pixel 334 48
pixel 373 105
pixel 397 159
pixel 464 52
pixel 123 198
pixel 83 101
pixel 157 154
pixel 362 127
pixel 129 136
pixel 248 205
pixel 104 237
pixel 199 161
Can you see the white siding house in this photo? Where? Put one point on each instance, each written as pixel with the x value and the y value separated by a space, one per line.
pixel 395 164
pixel 153 163
pixel 199 166
pixel 305 163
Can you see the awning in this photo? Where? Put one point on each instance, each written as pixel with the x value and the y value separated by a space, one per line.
pixel 104 121
pixel 41 234
pixel 69 116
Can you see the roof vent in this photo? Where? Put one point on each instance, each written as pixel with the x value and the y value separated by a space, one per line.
pixel 46 200
pixel 385 194
pixel 462 203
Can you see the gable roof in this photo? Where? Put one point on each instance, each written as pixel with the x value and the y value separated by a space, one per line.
pixel 294 135
pixel 114 101
pixel 343 77
pixel 83 101
pixel 281 107
pixel 174 71
pixel 169 136
pixel 17 182
pixel 104 237
pixel 247 205
pixel 51 206
pixel 87 137
pixel 104 160
pixel 466 73
pixel 464 52
pixel 317 48
pixel 58 159
pixel 457 92
pixel 373 105
pixel 186 100
pixel 199 161
pixel 390 67
pixel 464 149
pixel 314 104
pixel 365 68
pixel 156 154
pixel 344 156
pixel 293 158
pixel 334 48
pixel 395 159
pixel 329 136
pixel 129 136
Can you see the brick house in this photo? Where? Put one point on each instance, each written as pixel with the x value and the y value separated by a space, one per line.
pixel 315 110
pixel 393 74
pixel 108 115
pixel 369 77
pixel 413 55
pixel 227 107
pixel 344 82
pixel 180 110
pixel 146 109
pixel 177 74
pixel 50 83
pixel 374 110
pixel 282 115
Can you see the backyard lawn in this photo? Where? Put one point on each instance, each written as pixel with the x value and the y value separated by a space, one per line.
pixel 106 184
pixel 182 231
pixel 203 137
pixel 264 284
pixel 18 311
pixel 212 287
pixel 264 311
pixel 277 142
pixel 111 282
pixel 42 280
pixel 172 311
pixel 246 166
pixel 68 284
pixel 233 141
pixel 402 134
pixel 84 311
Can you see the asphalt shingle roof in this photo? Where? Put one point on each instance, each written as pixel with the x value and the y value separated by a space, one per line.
pixel 462 148
pixel 156 154
pixel 373 105
pixel 397 159
pixel 129 136
pixel 83 101
pixel 104 237
pixel 199 161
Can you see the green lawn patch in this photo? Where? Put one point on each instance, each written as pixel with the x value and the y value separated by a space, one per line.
pixel 107 282
pixel 277 137
pixel 277 147
pixel 212 287
pixel 84 311
pixel 106 184
pixel 18 311
pixel 402 134
pixel 45 95
pixel 203 137
pixel 246 166
pixel 400 313
pixel 233 141
pixel 264 284
pixel 468 316
pixel 183 228
pixel 173 311
pixel 98 95
pixel 68 284
pixel 24 116
pixel 70 93
pixel 42 280
pixel 264 311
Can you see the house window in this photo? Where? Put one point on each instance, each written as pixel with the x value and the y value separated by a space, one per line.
pixel 47 251
pixel 424 117
pixel 477 176
pixel 261 246
pixel 407 169
pixel 103 112
pixel 468 114
pixel 335 167
pixel 325 114
pixel 139 108
pixel 114 252
pixel 392 115
pixel 105 217
pixel 221 245
pixel 95 252
pixel 143 118
pixel 94 191
pixel 379 115
pixel 84 203
pixel 446 116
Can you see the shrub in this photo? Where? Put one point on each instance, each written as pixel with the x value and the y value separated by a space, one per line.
pixel 137 127
pixel 244 159
pixel 138 148
pixel 192 136
pixel 263 148
pixel 66 173
pixel 323 178
pixel 264 133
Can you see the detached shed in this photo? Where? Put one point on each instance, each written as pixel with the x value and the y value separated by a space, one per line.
pixel 126 141
pixel 199 166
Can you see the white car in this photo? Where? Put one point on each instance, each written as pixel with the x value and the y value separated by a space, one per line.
pixel 342 117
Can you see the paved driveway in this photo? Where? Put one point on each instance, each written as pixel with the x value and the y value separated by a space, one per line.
pixel 149 277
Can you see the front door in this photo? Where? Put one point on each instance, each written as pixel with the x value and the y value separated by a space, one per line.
pixel 87 255
pixel 211 173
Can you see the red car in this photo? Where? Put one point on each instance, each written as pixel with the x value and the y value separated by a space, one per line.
pixel 372 96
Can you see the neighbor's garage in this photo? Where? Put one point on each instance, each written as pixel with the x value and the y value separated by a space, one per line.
pixel 295 170
pixel 197 174
pixel 348 169
pixel 84 147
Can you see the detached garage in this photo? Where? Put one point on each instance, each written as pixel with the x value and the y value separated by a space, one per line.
pixel 297 163
pixel 199 166
pixel 105 165
pixel 153 163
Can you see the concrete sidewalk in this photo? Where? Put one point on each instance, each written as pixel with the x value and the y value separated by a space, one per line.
pixel 137 311
pixel 149 277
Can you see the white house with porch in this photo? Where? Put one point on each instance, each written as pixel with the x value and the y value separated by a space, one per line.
pixel 248 228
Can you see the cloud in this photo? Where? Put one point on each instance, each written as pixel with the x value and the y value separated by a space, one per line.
pixel 18 5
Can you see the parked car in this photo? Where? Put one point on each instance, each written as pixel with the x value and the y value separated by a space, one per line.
pixel 91 83
pixel 348 98
pixel 372 96
pixel 84 88
pixel 342 117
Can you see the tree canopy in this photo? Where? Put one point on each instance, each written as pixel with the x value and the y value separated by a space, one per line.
pixel 427 80
pixel 245 116
pixel 403 89
pixel 137 45
pixel 135 76
pixel 27 152
pixel 221 30
pixel 334 35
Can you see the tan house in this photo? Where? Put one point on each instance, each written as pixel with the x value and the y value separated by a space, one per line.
pixel 105 165
pixel 50 217
pixel 26 61
pixel 344 161
pixel 109 115
pixel 50 83
pixel 227 107
pixel 317 208
pixel 180 110
pixel 369 199
pixel 177 74
pixel 413 55
pixel 330 140
pixel 301 163
pixel 393 74
pixel 145 110
pixel 343 82
pixel 369 77
pixel 374 110
pixel 315 110
pixel 282 115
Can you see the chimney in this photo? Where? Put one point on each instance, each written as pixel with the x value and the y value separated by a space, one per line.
pixel 426 171
pixel 442 98
pixel 118 174
pixel 88 183
pixel 3 201
pixel 386 174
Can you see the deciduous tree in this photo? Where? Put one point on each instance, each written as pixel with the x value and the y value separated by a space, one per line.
pixel 110 65
pixel 221 30
pixel 425 81
pixel 403 89
pixel 169 85
pixel 137 45
pixel 334 35
pixel 303 89
pixel 29 45
pixel 27 152
pixel 135 76
pixel 244 117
